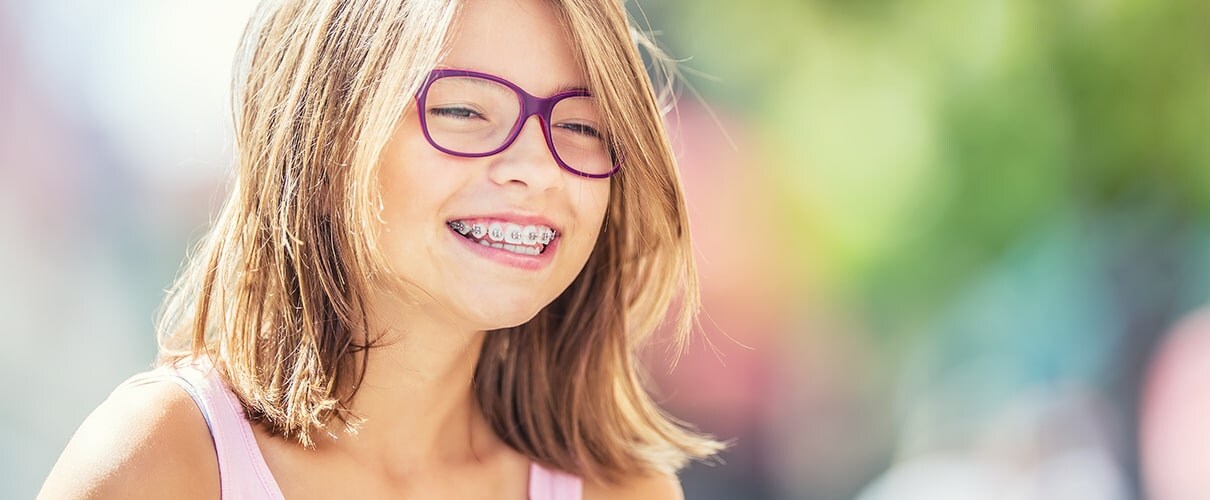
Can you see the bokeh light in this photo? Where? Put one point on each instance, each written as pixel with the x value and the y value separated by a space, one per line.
pixel 943 243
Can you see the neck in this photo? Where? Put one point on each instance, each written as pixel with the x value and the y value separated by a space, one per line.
pixel 416 397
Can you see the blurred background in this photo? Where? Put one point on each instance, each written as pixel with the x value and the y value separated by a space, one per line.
pixel 950 249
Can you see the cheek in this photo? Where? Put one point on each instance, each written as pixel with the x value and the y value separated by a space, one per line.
pixel 399 200
pixel 595 199
pixel 592 203
pixel 412 195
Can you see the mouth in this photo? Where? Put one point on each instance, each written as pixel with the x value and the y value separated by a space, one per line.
pixel 527 239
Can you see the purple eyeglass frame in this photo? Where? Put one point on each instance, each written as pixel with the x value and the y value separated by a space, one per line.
pixel 530 105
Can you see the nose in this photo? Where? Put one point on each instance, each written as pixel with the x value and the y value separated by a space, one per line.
pixel 528 160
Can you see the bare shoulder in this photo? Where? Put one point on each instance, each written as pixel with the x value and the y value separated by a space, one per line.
pixel 653 487
pixel 145 441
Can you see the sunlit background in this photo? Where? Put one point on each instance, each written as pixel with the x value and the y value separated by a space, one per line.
pixel 950 249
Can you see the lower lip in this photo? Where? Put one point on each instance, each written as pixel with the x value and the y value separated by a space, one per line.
pixel 505 257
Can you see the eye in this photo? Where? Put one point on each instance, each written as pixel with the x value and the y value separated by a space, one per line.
pixel 456 112
pixel 581 129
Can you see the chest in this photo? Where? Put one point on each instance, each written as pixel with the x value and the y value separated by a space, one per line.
pixel 304 474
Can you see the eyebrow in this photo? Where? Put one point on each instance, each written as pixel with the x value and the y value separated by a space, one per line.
pixel 558 90
pixel 569 88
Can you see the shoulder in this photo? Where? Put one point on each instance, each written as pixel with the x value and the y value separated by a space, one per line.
pixel 1173 412
pixel 653 487
pixel 144 441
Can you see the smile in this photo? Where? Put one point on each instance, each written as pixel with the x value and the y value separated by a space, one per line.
pixel 507 236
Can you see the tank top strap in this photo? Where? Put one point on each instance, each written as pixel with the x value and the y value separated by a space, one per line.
pixel 243 473
pixel 552 484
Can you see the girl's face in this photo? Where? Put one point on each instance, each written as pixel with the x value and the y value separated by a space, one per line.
pixel 430 198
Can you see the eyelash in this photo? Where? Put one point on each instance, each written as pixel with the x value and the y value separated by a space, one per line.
pixel 454 112
pixel 581 128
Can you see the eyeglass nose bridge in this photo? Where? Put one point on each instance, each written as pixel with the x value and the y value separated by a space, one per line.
pixel 543 108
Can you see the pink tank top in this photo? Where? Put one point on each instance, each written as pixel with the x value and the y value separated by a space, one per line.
pixel 243 473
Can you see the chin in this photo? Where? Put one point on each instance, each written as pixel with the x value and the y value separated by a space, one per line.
pixel 505 320
pixel 494 315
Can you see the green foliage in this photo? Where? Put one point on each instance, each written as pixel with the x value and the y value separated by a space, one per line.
pixel 920 141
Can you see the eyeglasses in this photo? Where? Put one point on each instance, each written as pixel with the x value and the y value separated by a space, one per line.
pixel 471 114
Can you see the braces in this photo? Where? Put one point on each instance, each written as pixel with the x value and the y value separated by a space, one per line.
pixel 478 231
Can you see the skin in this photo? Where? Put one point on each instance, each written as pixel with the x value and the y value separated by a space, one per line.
pixel 1173 444
pixel 423 188
pixel 424 435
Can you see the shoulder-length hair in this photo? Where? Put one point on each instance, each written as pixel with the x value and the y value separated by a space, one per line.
pixel 277 294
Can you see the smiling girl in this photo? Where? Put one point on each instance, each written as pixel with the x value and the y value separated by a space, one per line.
pixel 452 226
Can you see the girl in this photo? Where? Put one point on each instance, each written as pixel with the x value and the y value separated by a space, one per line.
pixel 452 225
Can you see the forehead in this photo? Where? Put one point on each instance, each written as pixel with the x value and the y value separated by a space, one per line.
pixel 521 40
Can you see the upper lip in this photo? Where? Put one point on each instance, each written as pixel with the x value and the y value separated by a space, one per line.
pixel 514 217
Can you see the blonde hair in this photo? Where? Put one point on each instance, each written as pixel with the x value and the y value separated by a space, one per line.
pixel 277 294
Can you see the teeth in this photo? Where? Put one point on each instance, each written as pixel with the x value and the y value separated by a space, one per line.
pixel 512 234
pixel 496 231
pixel 526 240
pixel 477 230
pixel 521 249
